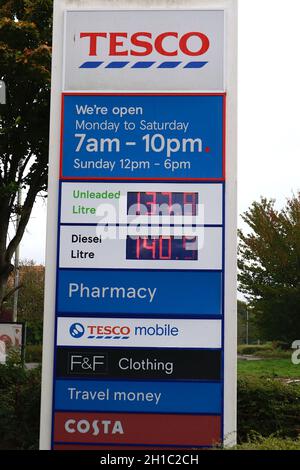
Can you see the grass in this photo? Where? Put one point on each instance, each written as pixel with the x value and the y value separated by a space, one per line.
pixel 273 368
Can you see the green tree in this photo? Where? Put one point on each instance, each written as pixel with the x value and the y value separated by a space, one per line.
pixel 269 267
pixel 25 63
pixel 30 299
pixel 242 321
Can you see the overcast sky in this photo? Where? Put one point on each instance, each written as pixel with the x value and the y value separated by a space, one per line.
pixel 269 108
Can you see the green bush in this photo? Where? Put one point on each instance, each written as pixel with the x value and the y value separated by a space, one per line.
pixel 257 442
pixel 34 332
pixel 249 349
pixel 268 350
pixel 274 354
pixel 33 353
pixel 19 407
pixel 268 407
pixel 282 345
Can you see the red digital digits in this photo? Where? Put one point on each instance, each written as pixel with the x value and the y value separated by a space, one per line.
pixel 165 242
pixel 186 240
pixel 152 203
pixel 150 245
pixel 164 203
pixel 165 248
pixel 170 202
pixel 186 202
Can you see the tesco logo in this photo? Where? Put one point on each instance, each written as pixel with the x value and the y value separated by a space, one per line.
pixel 116 331
pixel 169 44
pixel 143 43
pixel 77 330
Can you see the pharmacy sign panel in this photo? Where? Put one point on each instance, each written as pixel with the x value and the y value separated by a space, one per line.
pixel 140 316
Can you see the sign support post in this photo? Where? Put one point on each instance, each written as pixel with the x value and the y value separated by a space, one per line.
pixel 140 300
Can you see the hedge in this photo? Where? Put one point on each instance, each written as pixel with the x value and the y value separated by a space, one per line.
pixel 268 407
pixel 265 406
pixel 33 353
pixel 19 407
pixel 257 442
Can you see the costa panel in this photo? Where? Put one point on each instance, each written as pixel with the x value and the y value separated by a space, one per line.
pixel 124 428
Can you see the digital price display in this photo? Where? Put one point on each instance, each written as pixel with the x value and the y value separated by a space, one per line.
pixel 162 248
pixel 162 203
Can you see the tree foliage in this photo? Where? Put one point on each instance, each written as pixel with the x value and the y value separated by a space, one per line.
pixel 269 267
pixel 30 300
pixel 25 67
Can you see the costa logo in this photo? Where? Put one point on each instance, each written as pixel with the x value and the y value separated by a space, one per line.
pixel 142 44
pixel 95 427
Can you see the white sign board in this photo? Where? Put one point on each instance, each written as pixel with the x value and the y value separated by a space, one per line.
pixel 199 334
pixel 2 352
pixel 159 50
pixel 12 336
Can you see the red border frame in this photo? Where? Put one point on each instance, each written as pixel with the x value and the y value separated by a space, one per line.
pixel 111 178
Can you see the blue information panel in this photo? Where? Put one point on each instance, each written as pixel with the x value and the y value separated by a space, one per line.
pixel 143 137
pixel 170 293
pixel 139 316
pixel 153 397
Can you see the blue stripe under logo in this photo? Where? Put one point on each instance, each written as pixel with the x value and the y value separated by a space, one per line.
pixel 107 337
pixel 143 65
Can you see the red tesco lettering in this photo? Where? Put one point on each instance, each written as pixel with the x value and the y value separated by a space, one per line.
pixel 108 330
pixel 142 43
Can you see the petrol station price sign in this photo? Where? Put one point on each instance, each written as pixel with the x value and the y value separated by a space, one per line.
pixel 143 283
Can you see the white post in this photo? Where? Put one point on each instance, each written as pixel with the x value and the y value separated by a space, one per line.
pixel 2 92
